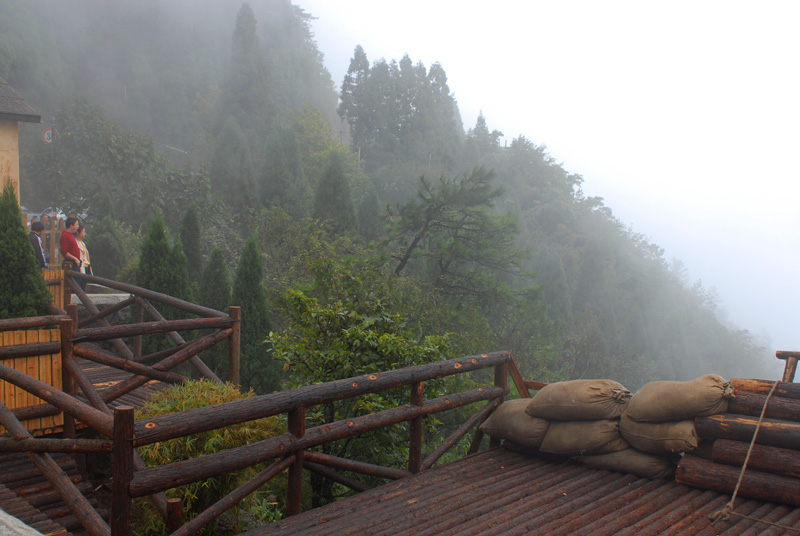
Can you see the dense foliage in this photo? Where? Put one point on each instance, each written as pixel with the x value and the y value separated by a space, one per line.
pixel 384 233
pixel 558 279
pixel 198 496
pixel 22 289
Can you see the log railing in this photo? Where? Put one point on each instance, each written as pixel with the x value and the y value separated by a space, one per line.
pixel 141 299
pixel 91 407
pixel 291 450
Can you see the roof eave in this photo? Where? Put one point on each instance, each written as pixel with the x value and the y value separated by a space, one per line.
pixel 23 118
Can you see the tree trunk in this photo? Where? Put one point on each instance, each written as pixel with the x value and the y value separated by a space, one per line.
pixel 785 462
pixel 700 473
pixel 773 433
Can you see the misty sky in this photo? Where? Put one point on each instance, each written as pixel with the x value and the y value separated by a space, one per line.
pixel 683 116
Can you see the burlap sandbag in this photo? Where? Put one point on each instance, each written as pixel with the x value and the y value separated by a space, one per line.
pixel 580 400
pixel 576 438
pixel 509 421
pixel 679 401
pixel 630 461
pixel 659 437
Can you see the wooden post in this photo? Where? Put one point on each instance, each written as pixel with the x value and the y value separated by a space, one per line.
pixel 65 288
pixel 500 380
pixel 519 382
pixel 790 367
pixel 67 385
pixel 137 340
pixel 297 427
pixel 67 329
pixel 174 515
pixel 415 441
pixel 122 471
pixel 234 346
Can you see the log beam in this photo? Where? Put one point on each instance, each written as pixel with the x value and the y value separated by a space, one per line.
pixel 762 387
pixel 747 403
pixel 701 473
pixel 772 432
pixel 775 460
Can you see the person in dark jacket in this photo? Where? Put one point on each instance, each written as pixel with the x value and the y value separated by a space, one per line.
pixel 36 241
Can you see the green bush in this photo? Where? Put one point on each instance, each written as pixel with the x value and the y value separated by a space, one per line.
pixel 22 289
pixel 198 496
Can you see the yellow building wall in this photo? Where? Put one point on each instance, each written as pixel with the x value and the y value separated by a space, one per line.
pixel 9 154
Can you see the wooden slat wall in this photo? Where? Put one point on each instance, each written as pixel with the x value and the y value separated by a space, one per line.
pixel 46 368
pixel 54 277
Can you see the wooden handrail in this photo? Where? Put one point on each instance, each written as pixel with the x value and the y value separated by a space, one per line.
pixel 178 303
pixel 184 472
pixel 199 420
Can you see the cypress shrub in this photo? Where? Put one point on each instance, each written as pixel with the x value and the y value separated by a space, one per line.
pixel 190 238
pixel 215 292
pixel 162 268
pixel 22 289
pixel 259 370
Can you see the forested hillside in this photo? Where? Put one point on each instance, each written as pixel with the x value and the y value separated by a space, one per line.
pixel 389 233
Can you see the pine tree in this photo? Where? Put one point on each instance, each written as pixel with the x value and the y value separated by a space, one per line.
pixel 245 94
pixel 283 182
pixel 162 268
pixel 232 173
pixel 332 202
pixel 369 219
pixel 190 238
pixel 258 369
pixel 105 244
pixel 215 292
pixel 22 289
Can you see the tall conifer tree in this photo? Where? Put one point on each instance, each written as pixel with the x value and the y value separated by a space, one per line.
pixel 332 202
pixel 190 239
pixel 162 267
pixel 22 289
pixel 258 369
pixel 215 292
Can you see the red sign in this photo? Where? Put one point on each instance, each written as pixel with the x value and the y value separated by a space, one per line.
pixel 47 135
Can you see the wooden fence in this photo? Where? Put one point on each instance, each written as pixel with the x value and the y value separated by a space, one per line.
pixel 290 451
pixel 32 397
pixel 44 365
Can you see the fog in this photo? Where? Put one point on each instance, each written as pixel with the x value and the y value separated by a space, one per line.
pixel 682 116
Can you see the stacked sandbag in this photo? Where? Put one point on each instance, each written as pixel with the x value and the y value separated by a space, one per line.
pixel 659 418
pixel 583 416
pixel 580 400
pixel 677 401
pixel 510 422
pixel 601 425
pixel 630 461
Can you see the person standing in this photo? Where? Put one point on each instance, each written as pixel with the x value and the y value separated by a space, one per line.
pixel 36 241
pixel 86 263
pixel 68 246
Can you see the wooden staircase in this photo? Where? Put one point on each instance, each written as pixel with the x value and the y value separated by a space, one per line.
pixel 28 496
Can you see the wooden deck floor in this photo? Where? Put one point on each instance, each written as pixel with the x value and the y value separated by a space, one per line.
pixel 26 494
pixel 499 492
